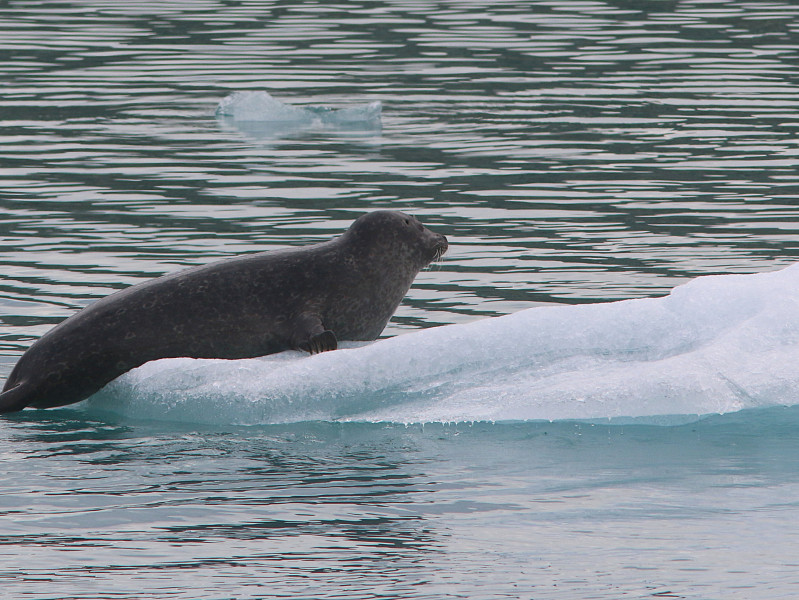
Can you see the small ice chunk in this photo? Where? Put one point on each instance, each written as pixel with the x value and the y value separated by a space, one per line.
pixel 261 106
pixel 366 115
pixel 261 114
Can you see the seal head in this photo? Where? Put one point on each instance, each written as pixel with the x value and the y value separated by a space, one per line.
pixel 385 251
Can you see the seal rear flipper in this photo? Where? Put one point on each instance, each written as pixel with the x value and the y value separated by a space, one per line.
pixel 321 343
pixel 14 399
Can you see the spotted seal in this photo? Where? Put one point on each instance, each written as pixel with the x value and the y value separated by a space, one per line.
pixel 303 298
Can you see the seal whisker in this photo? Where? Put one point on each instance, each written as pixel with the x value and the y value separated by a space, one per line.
pixel 438 259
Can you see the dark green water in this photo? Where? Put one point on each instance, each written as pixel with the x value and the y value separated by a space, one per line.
pixel 572 152
pixel 97 509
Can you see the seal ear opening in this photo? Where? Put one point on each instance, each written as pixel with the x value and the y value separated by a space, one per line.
pixel 14 399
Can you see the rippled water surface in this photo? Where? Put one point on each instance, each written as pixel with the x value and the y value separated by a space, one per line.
pixel 572 152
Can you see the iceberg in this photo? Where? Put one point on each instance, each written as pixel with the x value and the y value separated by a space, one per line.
pixel 717 344
pixel 260 114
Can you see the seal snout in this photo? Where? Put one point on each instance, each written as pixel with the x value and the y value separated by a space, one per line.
pixel 440 247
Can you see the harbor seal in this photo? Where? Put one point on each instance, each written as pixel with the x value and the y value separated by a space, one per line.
pixel 302 298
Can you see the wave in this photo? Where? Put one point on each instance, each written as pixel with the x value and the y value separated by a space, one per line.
pixel 714 345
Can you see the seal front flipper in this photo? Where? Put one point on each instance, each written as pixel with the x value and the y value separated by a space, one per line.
pixel 310 335
pixel 321 343
pixel 14 399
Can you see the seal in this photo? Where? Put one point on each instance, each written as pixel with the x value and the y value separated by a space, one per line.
pixel 304 298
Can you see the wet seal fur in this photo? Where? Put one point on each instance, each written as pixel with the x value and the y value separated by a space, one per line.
pixel 302 298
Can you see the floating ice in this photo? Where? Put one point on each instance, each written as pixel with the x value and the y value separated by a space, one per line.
pixel 261 114
pixel 717 344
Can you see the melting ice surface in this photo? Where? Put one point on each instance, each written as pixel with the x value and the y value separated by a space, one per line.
pixel 717 344
pixel 261 114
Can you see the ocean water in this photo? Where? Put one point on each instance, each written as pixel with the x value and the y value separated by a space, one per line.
pixel 593 396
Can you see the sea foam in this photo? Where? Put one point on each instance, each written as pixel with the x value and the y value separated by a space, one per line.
pixel 716 344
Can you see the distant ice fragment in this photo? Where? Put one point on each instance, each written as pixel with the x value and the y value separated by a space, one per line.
pixel 368 114
pixel 261 114
pixel 260 106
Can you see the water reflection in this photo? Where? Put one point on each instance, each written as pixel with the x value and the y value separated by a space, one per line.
pixel 413 512
pixel 268 502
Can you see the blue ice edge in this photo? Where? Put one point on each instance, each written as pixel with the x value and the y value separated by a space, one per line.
pixel 259 114
pixel 715 345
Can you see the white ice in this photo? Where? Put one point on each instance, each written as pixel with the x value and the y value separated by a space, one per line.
pixel 260 114
pixel 715 345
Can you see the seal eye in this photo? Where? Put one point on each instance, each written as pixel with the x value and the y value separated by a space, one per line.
pixel 407 221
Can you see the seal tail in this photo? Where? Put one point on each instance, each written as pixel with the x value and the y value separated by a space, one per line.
pixel 14 399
